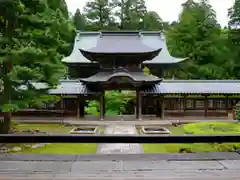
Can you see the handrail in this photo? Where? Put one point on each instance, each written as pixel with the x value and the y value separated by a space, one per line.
pixel 149 139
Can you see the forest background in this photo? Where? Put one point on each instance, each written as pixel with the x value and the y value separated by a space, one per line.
pixel 35 36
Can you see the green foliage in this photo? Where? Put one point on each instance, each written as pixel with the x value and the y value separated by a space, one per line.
pixel 79 20
pixel 152 21
pixel 198 37
pixel 98 14
pixel 198 128
pixel 237 111
pixel 115 103
pixel 34 36
pixel 212 128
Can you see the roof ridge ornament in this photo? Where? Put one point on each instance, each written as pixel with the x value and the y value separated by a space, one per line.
pixel 120 69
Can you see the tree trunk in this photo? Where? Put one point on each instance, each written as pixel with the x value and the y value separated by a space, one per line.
pixel 5 123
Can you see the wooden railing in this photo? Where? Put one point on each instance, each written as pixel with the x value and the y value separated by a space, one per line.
pixel 149 139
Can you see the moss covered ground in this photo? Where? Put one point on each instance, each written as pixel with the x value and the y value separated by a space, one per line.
pixel 198 128
pixel 55 148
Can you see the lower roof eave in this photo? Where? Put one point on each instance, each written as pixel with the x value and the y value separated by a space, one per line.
pixel 184 94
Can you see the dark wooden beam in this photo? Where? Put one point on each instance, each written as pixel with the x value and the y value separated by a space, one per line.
pixel 70 138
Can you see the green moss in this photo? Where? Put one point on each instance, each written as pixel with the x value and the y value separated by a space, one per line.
pixel 212 128
pixel 64 148
pixel 238 111
pixel 198 128
pixel 56 148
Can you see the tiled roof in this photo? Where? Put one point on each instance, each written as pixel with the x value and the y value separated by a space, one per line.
pixel 150 40
pixel 135 76
pixel 195 87
pixel 125 42
pixel 83 40
pixel 70 87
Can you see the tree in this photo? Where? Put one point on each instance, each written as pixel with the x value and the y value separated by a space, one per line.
pixel 79 20
pixel 196 36
pixel 31 39
pixel 152 22
pixel 59 4
pixel 115 103
pixel 98 15
pixel 234 37
pixel 130 12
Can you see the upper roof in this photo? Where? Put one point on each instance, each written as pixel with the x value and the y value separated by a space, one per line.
pixel 196 87
pixel 83 40
pixel 153 39
pixel 121 42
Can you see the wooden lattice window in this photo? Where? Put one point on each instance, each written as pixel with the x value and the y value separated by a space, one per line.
pixel 190 104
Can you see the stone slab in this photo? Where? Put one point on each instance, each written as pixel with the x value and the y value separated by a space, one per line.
pixel 96 166
pixel 231 164
pixel 140 175
pixel 123 157
pixel 37 157
pixel 31 166
pixel 169 157
pixel 119 148
pixel 171 165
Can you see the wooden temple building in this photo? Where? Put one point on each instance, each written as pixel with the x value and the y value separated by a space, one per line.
pixel 102 61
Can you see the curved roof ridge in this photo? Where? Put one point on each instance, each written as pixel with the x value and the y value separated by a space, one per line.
pixel 83 40
pixel 164 56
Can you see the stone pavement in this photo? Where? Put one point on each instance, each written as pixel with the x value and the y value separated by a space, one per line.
pixel 119 148
pixel 121 169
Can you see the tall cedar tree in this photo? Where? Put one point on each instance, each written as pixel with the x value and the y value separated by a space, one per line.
pixel 131 13
pixel 79 20
pixel 196 36
pixel 152 22
pixel 30 41
pixel 98 15
pixel 234 37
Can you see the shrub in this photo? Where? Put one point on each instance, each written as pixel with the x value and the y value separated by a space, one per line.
pixel 237 111
pixel 212 128
pixel 215 128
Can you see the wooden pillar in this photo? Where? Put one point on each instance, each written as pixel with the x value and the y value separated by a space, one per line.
pixel 78 107
pixel 206 106
pixel 226 103
pixel 62 106
pixel 184 103
pixel 158 110
pixel 140 106
pixel 162 107
pixel 82 108
pixel 102 106
pixel 137 104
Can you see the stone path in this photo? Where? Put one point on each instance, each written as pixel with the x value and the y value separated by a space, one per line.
pixel 119 148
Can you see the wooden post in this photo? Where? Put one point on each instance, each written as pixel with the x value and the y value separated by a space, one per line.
pixel 162 107
pixel 158 108
pixel 184 103
pixel 140 107
pixel 137 104
pixel 206 106
pixel 101 107
pixel 104 106
pixel 62 106
pixel 226 103
pixel 82 108
pixel 78 107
